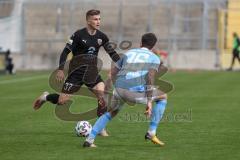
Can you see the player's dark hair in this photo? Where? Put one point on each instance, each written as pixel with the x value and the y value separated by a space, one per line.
pixel 149 40
pixel 235 34
pixel 92 12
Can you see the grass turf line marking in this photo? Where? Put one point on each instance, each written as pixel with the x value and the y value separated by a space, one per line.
pixel 23 79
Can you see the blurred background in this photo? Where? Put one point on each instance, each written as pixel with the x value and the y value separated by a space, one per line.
pixel 196 34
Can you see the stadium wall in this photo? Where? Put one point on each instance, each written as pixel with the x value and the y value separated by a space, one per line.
pixel 187 29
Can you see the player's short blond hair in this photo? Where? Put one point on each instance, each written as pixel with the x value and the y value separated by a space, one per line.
pixel 92 12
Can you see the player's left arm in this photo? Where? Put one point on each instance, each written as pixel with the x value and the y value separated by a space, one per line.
pixel 112 75
pixel 109 49
pixel 111 78
pixel 114 72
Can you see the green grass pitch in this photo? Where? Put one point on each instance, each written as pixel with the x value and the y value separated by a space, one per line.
pixel 201 122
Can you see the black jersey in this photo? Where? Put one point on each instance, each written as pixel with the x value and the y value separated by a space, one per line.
pixel 85 48
pixel 81 42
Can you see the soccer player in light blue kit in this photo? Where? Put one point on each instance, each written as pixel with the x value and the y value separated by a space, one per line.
pixel 133 80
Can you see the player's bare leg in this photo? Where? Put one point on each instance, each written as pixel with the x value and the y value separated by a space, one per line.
pixel 53 98
pixel 98 90
pixel 63 98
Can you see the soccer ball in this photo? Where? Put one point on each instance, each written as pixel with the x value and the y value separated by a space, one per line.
pixel 83 128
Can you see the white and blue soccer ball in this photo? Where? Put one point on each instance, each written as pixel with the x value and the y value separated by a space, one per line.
pixel 83 128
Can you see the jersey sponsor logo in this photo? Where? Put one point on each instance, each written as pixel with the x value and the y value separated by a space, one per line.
pixel 91 50
pixel 99 41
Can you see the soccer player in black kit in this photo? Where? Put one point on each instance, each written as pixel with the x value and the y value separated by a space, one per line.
pixel 84 45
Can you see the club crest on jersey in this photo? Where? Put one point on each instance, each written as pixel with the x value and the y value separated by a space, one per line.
pixel 99 41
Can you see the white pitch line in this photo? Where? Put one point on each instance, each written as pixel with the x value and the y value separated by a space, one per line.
pixel 22 79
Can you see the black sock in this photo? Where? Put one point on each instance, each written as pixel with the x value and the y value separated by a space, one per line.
pixel 53 98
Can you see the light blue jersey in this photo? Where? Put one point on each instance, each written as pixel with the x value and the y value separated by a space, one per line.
pixel 134 66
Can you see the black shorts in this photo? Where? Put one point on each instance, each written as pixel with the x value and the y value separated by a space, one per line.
pixel 77 78
pixel 235 52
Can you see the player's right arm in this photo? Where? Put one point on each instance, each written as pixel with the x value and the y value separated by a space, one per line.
pixel 150 82
pixel 60 73
pixel 63 57
pixel 152 71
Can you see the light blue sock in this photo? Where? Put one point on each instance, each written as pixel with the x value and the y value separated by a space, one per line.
pixel 157 114
pixel 99 125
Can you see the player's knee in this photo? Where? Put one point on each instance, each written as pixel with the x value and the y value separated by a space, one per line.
pixel 163 97
pixel 113 113
pixel 98 91
pixel 99 87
